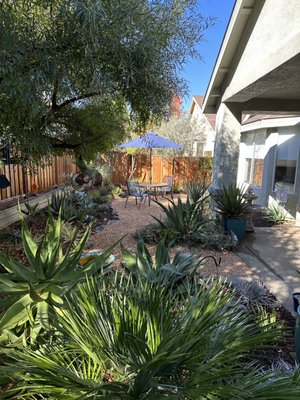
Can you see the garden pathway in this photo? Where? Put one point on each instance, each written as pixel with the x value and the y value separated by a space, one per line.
pixel 274 257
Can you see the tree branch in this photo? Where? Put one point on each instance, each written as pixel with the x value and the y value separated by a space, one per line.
pixel 77 98
pixel 54 95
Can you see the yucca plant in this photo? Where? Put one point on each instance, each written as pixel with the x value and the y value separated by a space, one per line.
pixel 184 220
pixel 161 268
pixel 196 192
pixel 32 291
pixel 230 201
pixel 131 340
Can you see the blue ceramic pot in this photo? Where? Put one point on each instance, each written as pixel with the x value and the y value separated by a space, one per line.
pixel 237 225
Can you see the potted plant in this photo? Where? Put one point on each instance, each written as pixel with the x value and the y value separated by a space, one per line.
pixel 234 208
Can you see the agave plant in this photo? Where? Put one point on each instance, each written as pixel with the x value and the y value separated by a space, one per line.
pixel 63 202
pixel 275 213
pixel 31 292
pixel 197 192
pixel 138 341
pixel 160 268
pixel 184 220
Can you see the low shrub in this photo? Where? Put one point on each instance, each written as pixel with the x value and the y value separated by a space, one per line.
pixel 150 233
pixel 97 197
pixel 211 238
pixel 117 191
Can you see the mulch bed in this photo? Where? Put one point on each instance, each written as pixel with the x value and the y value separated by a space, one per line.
pixel 259 219
pixel 286 347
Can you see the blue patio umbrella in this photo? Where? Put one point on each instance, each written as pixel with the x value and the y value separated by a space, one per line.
pixel 151 141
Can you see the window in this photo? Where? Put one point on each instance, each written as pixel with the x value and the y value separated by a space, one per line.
pixel 254 150
pixel 286 162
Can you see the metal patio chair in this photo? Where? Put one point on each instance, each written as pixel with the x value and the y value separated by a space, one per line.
pixel 169 189
pixel 135 191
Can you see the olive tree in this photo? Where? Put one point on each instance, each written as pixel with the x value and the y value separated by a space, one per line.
pixel 75 73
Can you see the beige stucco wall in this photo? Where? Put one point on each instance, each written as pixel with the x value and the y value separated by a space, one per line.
pixel 266 193
pixel 274 38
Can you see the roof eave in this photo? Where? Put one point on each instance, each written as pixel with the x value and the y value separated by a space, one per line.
pixel 232 36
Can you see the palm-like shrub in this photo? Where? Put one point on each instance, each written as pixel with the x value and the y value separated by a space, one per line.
pixel 31 292
pixel 183 220
pixel 160 268
pixel 136 340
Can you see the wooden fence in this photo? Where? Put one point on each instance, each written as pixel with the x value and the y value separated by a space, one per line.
pixel 45 178
pixel 184 169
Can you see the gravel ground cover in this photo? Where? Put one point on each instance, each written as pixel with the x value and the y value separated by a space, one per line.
pixel 133 218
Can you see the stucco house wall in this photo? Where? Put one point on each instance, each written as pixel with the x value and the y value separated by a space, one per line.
pixel 269 160
pixel 257 71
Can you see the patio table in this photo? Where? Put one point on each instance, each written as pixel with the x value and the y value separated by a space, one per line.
pixel 154 186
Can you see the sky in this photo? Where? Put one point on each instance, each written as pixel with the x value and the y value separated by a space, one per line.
pixel 196 72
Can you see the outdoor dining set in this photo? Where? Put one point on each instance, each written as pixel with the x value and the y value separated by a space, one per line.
pixel 145 190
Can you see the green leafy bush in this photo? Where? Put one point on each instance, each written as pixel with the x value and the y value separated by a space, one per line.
pixel 31 293
pixel 150 233
pixel 117 191
pixel 212 238
pixel 177 188
pixel 98 198
pixel 136 340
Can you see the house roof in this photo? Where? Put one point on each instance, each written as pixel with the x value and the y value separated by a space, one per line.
pixel 262 117
pixel 211 118
pixel 239 17
pixel 273 84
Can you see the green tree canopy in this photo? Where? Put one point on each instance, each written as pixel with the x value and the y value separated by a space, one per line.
pixel 178 129
pixel 73 71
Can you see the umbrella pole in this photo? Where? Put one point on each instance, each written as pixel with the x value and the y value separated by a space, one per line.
pixel 150 166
